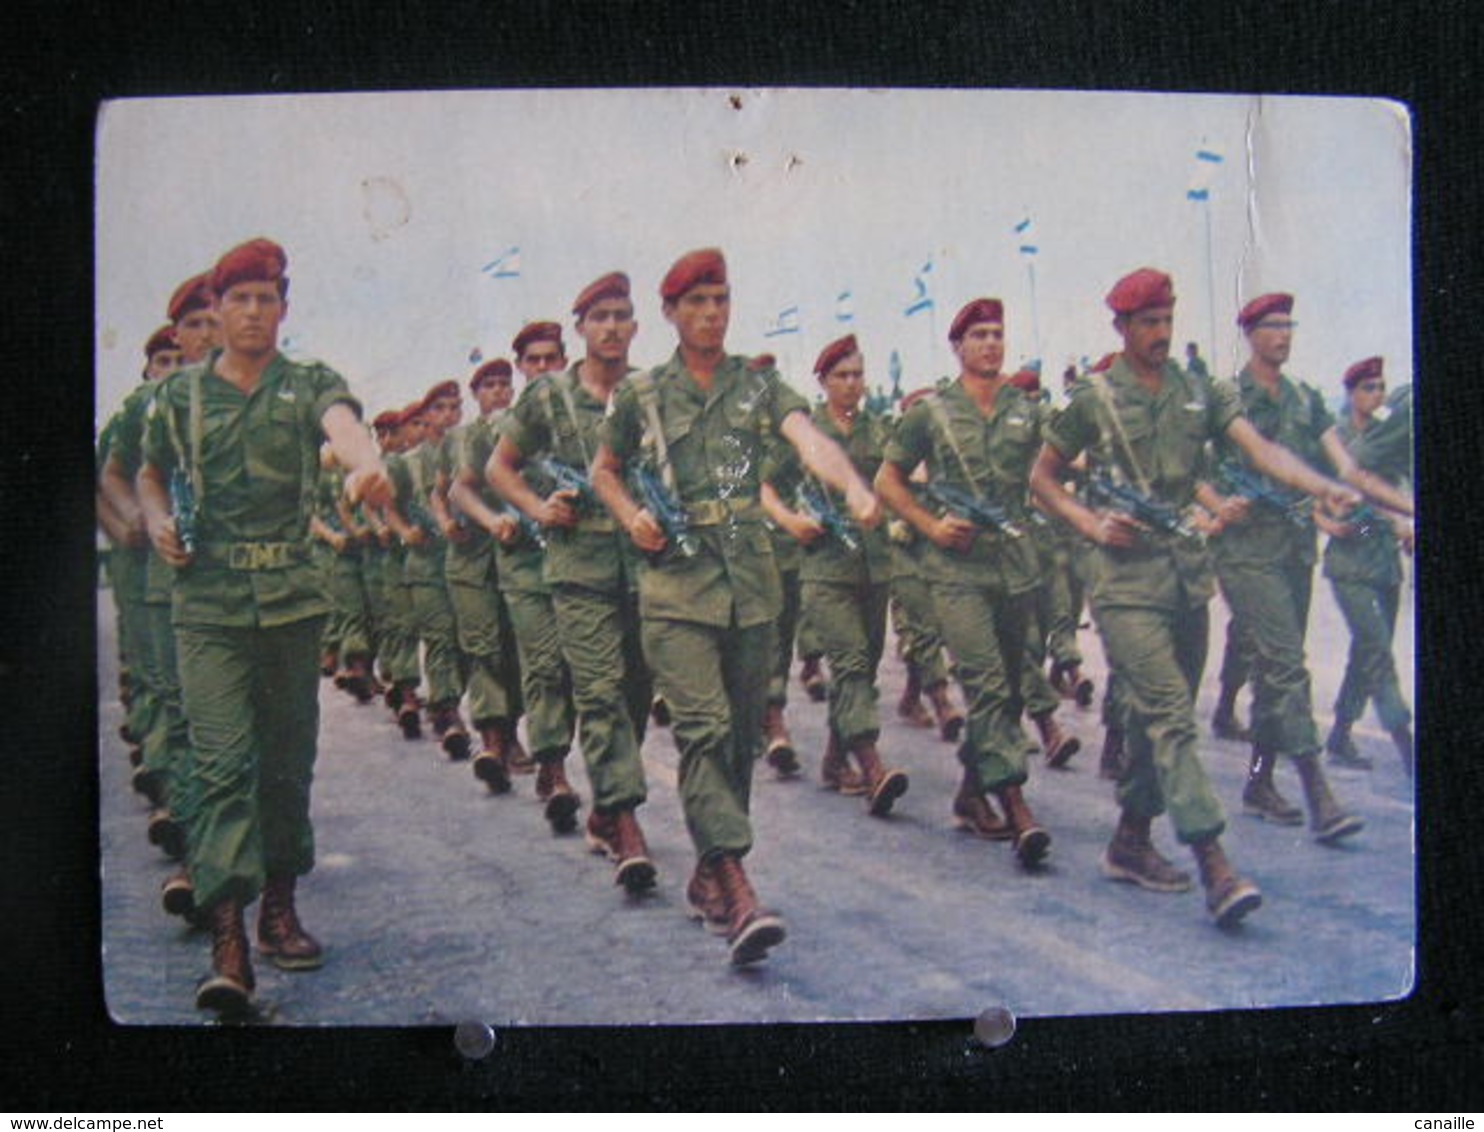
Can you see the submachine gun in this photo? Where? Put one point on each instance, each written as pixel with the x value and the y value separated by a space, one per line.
pixel 814 502
pixel 1103 491
pixel 668 511
pixel 984 513
pixel 183 506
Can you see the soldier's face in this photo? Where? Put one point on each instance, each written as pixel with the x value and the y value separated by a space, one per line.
pixel 700 316
pixel 1271 339
pixel 446 412
pixel 162 363
pixel 197 333
pixel 251 314
pixel 1147 335
pixel 607 328
pixel 539 358
pixel 414 432
pixel 494 393
pixel 981 351
pixel 1367 395
pixel 845 384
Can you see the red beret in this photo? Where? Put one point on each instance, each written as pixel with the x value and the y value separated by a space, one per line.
pixel 497 367
pixel 980 310
pixel 257 261
pixel 1028 380
pixel 412 412
pixel 536 332
pixel 614 285
pixel 1357 373
pixel 762 362
pixel 1262 306
pixel 835 353
pixel 161 339
pixel 192 295
pixel 705 265
pixel 1141 290
pixel 915 396
pixel 386 420
pixel 442 391
pixel 1103 364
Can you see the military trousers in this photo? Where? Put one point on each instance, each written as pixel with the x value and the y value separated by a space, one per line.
pixel 167 746
pixel 715 679
pixel 252 698
pixel 601 641
pixel 850 620
pixel 1236 657
pixel 352 608
pixel 1156 657
pixel 787 635
pixel 1271 602
pixel 126 575
pixel 485 639
pixel 918 641
pixel 984 630
pixel 1370 670
pixel 399 659
pixel 443 663
pixel 546 685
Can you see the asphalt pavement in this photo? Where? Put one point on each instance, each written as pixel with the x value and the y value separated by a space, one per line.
pixel 438 902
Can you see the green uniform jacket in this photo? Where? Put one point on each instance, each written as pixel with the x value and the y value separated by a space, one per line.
pixel 1371 558
pixel 998 451
pixel 716 444
pixel 259 469
pixel 827 560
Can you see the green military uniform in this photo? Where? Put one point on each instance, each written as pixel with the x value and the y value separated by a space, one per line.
pixel 710 620
pixel 483 626
pixel 980 597
pixel 846 592
pixel 248 614
pixel 400 663
pixel 1150 600
pixel 546 683
pixel 593 573
pixel 1266 570
pixel 1050 601
pixel 443 665
pixel 782 472
pixel 1364 571
pixel 350 633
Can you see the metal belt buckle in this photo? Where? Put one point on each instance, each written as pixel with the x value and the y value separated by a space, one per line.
pixel 257 555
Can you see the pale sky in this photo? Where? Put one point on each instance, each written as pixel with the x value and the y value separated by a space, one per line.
pixel 391 205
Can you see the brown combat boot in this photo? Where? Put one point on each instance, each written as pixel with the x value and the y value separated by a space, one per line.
pixel 178 895
pixel 1342 749
pixel 1066 677
pixel 489 765
pixel 1058 744
pixel 1032 842
pixel 636 872
pixel 228 989
pixel 167 833
pixel 751 929
pixel 601 834
pixel 1327 821
pixel 556 792
pixel 517 758
pixel 1402 737
pixel 409 714
pixel 281 938
pixel 813 680
pixel 1228 896
pixel 659 711
pixel 1260 797
pixel 706 902
pixel 910 707
pixel 1113 763
pixel 1224 723
pixel 836 772
pixel 973 813
pixel 950 719
pixel 883 785
pixel 452 735
pixel 1132 857
pixel 779 752
pixel 359 681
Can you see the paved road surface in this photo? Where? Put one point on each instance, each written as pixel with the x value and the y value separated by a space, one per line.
pixel 438 902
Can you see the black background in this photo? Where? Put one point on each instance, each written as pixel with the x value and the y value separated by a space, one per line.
pixel 59 1052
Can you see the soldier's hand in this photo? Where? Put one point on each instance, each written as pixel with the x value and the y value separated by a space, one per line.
pixel 136 536
pixel 415 536
pixel 803 529
pixel 864 506
pixel 369 485
pixel 1114 528
pixel 1406 534
pixel 559 509
pixel 952 533
pixel 646 533
pixel 1339 500
pixel 506 529
pixel 167 543
pixel 1233 511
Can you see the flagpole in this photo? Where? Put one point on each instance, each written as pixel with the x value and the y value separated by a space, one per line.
pixel 1210 285
pixel 1030 270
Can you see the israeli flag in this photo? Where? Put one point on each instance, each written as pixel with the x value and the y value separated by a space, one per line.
pixel 476 355
pixel 845 307
pixel 922 301
pixel 506 265
pixel 787 322
pixel 1026 238
pixel 1207 163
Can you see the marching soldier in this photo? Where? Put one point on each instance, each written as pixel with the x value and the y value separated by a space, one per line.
pixel 1145 424
pixel 592 569
pixel 846 580
pixel 244 427
pixel 399 638
pixel 694 431
pixel 977 435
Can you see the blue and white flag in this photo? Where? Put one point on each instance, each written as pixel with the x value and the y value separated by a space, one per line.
pixel 1207 162
pixel 476 355
pixel 1025 238
pixel 787 322
pixel 922 301
pixel 506 265
pixel 845 307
